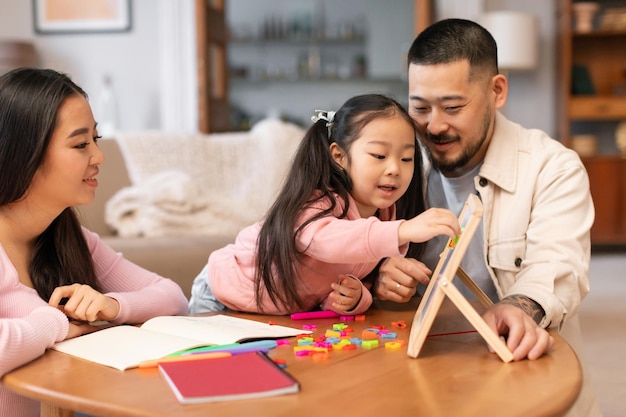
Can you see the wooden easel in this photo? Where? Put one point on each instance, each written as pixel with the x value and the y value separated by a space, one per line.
pixel 441 286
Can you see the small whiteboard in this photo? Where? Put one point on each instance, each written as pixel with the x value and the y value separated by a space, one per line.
pixel 441 285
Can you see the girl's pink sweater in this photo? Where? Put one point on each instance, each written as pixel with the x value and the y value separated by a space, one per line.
pixel 330 246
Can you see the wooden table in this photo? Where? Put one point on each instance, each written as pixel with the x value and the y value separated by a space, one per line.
pixel 454 375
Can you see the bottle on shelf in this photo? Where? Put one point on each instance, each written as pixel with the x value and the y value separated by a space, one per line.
pixel 106 109
pixel 315 62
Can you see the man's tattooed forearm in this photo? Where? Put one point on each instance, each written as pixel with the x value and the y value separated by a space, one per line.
pixel 530 307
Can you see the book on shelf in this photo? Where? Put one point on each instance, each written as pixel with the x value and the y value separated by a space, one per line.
pixel 236 377
pixel 125 346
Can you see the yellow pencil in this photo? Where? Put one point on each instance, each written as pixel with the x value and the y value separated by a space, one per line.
pixel 208 355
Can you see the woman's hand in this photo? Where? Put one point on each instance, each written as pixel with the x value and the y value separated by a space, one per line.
pixel 79 328
pixel 81 302
pixel 398 279
pixel 346 293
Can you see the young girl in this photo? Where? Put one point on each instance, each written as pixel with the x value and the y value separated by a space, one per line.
pixel 56 276
pixel 333 221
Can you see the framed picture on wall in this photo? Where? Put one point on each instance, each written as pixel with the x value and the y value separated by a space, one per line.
pixel 71 16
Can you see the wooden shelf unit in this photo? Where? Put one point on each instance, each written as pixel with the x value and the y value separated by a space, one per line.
pixel 212 41
pixel 603 54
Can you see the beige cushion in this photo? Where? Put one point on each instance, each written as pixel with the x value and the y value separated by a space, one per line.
pixel 178 258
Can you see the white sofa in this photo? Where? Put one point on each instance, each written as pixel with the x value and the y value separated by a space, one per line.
pixel 166 201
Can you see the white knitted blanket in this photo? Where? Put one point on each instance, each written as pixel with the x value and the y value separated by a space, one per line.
pixel 195 184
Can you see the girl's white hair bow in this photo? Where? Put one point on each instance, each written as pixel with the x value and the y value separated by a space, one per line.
pixel 329 116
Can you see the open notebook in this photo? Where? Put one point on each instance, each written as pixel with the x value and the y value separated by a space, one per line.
pixel 123 347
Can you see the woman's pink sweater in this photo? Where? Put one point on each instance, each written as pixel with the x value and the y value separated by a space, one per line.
pixel 28 326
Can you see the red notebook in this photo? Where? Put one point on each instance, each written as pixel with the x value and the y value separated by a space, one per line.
pixel 245 375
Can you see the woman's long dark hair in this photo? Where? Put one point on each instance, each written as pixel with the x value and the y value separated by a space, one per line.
pixel 29 101
pixel 314 176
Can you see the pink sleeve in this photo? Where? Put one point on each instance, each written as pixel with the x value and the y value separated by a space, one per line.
pixel 142 294
pixel 26 338
pixel 334 240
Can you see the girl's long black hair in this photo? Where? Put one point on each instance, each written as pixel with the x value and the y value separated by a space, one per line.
pixel 314 176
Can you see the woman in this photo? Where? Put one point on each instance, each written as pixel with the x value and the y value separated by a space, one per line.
pixel 55 276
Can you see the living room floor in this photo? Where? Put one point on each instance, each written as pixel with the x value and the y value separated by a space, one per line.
pixel 603 321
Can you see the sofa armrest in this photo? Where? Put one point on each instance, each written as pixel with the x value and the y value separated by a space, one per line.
pixel 179 259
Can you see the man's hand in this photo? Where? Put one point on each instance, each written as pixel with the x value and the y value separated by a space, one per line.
pixel 523 336
pixel 398 278
pixel 84 303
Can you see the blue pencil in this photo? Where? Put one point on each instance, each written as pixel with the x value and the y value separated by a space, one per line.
pixel 232 347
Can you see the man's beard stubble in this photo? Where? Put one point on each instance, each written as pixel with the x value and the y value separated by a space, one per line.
pixel 448 167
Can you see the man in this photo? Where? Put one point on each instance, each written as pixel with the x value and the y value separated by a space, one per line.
pixel 531 252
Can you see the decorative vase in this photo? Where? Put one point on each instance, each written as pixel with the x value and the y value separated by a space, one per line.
pixel 585 145
pixel 584 13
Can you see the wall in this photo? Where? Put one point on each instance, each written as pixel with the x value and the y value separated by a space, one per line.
pixel 133 60
pixel 532 94
pixel 130 58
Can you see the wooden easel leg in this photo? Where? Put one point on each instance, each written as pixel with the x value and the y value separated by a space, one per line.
pixel 474 318
pixel 474 288
pixel 48 410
